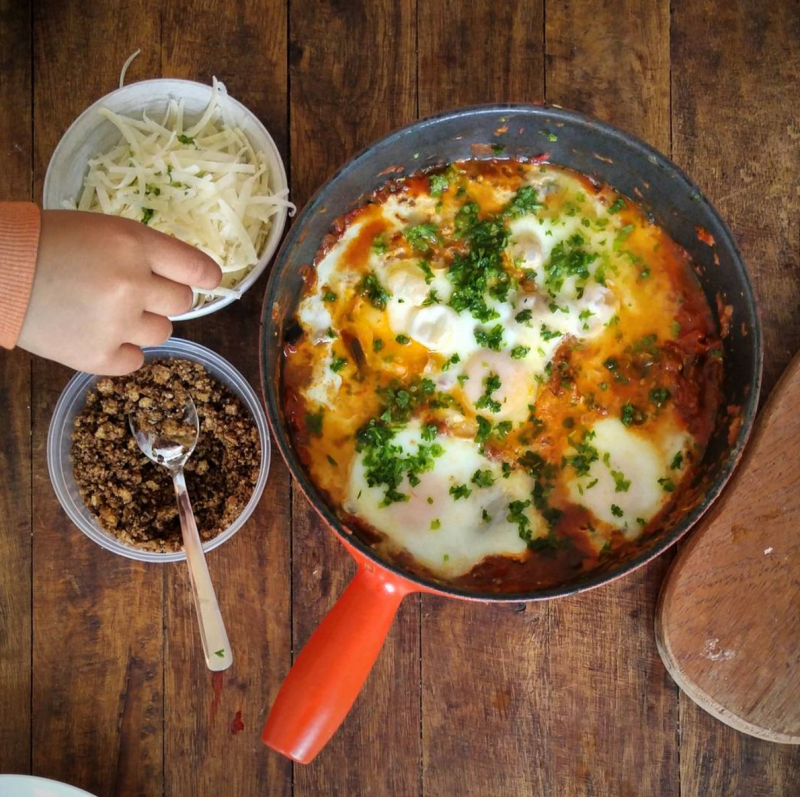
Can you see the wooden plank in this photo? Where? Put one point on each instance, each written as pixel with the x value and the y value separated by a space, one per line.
pixel 471 53
pixel 97 644
pixel 207 749
pixel 739 139
pixel 613 708
pixel 352 77
pixel 484 668
pixel 15 414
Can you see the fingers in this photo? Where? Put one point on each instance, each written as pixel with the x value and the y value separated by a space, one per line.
pixel 126 359
pixel 168 298
pixel 151 330
pixel 182 263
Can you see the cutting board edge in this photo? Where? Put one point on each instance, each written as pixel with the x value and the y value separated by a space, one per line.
pixel 704 700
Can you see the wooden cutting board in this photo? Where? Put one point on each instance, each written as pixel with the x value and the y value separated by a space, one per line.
pixel 728 617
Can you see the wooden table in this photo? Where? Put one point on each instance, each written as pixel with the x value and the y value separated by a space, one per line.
pixel 102 682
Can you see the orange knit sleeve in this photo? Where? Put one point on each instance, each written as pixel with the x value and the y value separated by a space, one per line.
pixel 19 242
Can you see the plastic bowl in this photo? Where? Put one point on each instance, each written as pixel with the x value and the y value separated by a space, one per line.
pixel 90 135
pixel 59 443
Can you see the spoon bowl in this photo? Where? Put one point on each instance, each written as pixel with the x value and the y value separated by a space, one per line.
pixel 170 444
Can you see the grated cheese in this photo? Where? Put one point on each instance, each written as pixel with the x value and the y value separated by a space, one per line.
pixel 202 183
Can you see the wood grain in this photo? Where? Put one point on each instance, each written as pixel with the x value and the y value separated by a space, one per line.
pixel 352 77
pixel 739 139
pixel 471 53
pixel 15 414
pixel 213 722
pixel 97 641
pixel 617 735
pixel 739 659
pixel 484 668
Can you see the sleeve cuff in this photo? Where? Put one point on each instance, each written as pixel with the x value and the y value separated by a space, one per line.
pixel 20 223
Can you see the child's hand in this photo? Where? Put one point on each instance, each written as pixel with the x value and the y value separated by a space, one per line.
pixel 104 287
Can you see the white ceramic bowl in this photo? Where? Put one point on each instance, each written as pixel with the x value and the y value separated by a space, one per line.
pixel 31 786
pixel 59 444
pixel 90 135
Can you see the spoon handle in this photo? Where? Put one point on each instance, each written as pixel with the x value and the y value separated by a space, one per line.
pixel 216 647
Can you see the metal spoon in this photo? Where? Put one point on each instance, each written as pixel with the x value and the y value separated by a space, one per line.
pixel 173 453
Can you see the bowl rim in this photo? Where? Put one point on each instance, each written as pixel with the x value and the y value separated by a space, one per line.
pixel 279 219
pixel 267 332
pixel 75 391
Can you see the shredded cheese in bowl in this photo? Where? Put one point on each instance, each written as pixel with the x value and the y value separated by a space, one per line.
pixel 203 183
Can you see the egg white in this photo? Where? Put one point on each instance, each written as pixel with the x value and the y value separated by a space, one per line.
pixel 463 537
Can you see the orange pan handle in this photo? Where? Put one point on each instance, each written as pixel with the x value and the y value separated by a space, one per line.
pixel 332 667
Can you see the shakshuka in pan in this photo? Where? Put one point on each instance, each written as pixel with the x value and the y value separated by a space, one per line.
pixel 502 373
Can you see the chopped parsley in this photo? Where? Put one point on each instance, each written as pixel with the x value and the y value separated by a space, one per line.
pixel 568 259
pixel 184 139
pixel 147 214
pixel 329 296
pixel 482 478
pixel 484 429
pixel 617 205
pixel 377 345
pixel 455 359
pixel 379 244
pixel 616 511
pixel 659 396
pixel 518 352
pixel 337 363
pixel 667 485
pixel 491 383
pixel 429 432
pixel 436 524
pixel 152 189
pixel 421 236
pixel 523 316
pixel 677 461
pixel 403 340
pixel 371 288
pixel 547 333
pixel 493 339
pixel 631 415
pixel 506 468
pixel 525 201
pixel 386 463
pixel 431 298
pixel 621 484
pixel 549 135
pixel 485 516
pixel 314 422
pixel 438 184
pixel 676 329
pixel 481 269
pixel 460 491
pixel 585 455
pixel 426 270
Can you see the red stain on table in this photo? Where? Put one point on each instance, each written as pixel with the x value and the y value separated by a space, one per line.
pixel 237 726
pixel 216 685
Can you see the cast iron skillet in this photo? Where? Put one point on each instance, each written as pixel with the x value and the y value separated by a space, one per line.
pixel 332 667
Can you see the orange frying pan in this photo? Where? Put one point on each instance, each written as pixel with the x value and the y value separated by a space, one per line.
pixel 330 670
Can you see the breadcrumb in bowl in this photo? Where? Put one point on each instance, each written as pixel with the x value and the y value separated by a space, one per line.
pixel 128 507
